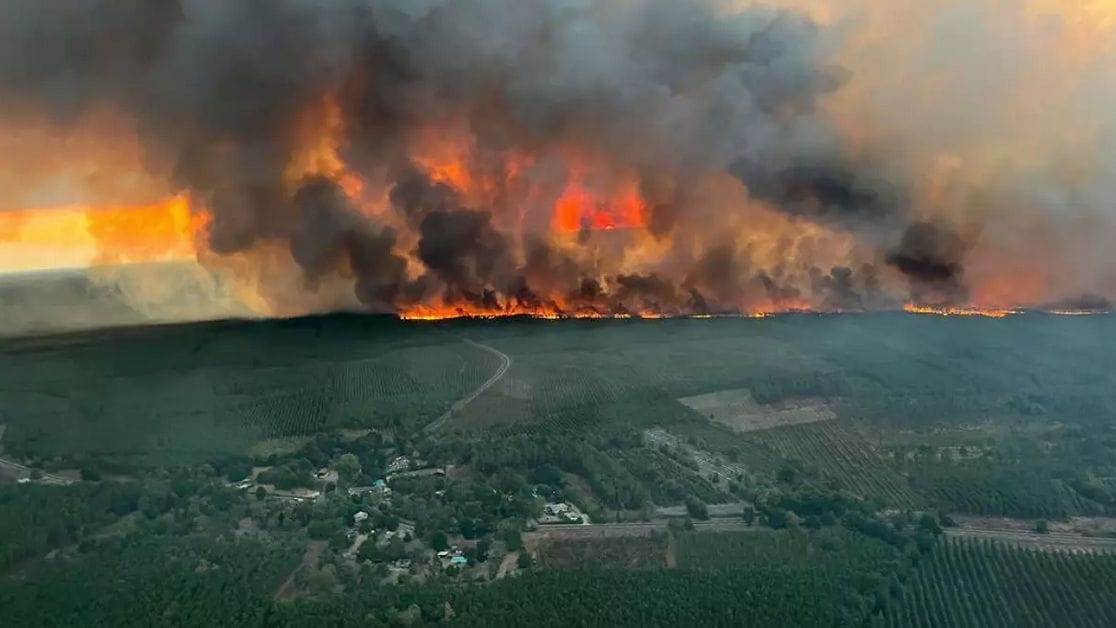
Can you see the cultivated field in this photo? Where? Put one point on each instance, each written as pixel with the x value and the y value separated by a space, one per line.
pixel 971 582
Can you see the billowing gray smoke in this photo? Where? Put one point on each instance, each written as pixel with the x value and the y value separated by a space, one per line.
pixel 672 90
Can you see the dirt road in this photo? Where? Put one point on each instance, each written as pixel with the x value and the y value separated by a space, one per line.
pixel 1052 541
pixel 25 472
pixel 598 530
pixel 507 564
pixel 288 590
pixel 505 363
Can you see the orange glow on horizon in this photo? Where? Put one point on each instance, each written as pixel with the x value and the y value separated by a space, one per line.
pixel 95 235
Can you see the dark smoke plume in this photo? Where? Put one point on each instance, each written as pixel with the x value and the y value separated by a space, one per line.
pixel 930 256
pixel 671 90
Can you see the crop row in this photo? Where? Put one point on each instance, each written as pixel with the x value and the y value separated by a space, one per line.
pixel 845 458
pixel 966 582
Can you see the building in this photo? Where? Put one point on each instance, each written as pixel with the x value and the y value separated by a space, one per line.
pixel 379 488
pixel 562 512
pixel 360 518
pixel 401 463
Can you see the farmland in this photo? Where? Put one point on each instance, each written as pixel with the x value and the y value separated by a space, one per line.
pixel 980 583
pixel 845 459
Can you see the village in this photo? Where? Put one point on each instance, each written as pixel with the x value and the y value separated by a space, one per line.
pixel 414 521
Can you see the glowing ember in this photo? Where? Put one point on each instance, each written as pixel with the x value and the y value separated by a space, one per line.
pixel 915 308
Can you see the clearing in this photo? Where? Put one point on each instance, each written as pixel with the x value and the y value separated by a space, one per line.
pixel 739 411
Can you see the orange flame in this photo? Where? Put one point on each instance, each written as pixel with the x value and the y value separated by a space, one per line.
pixel 578 208
pixel 915 308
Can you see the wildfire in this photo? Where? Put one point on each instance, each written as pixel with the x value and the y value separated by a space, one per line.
pixel 560 310
pixel 577 208
pixel 915 308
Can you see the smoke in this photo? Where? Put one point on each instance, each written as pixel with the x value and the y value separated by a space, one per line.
pixel 475 154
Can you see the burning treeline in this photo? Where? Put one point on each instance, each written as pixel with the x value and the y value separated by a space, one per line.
pixel 554 157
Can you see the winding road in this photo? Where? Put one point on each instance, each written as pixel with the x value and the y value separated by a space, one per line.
pixel 505 364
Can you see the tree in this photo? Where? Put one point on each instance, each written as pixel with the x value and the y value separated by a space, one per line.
pixel 439 541
pixel 261 493
pixel 90 474
pixel 524 561
pixel 749 515
pixel 369 552
pixel 513 538
pixel 1042 526
pixel 777 518
pixel 322 529
pixel 930 523
pixel 546 474
pixel 395 549
pixel 787 474
pixel 697 509
pixel 238 471
pixel 348 468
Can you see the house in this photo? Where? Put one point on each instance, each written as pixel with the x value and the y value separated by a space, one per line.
pixel 379 488
pixel 326 475
pixel 443 553
pixel 459 560
pixel 400 463
pixel 360 518
pixel 561 512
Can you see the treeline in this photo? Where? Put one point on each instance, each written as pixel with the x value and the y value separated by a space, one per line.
pixel 756 597
pixel 36 517
pixel 1011 490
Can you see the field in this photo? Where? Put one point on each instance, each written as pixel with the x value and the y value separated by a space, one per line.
pixel 845 459
pixel 738 410
pixel 981 583
pixel 629 552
